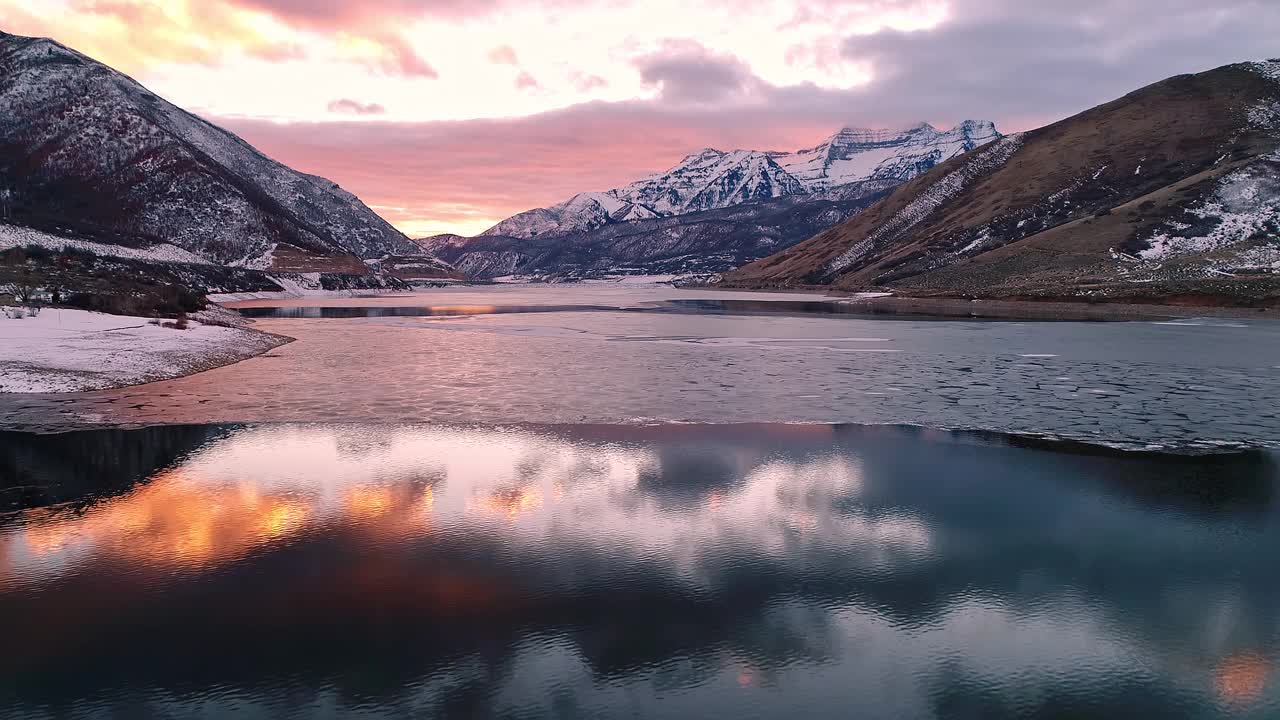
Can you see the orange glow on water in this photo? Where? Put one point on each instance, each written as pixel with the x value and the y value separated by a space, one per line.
pixel 369 502
pixel 175 522
pixel 1241 678
pixel 509 502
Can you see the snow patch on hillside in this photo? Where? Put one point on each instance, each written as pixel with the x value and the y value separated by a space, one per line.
pixel 1266 114
pixel 1245 206
pixel 1269 69
pixel 17 236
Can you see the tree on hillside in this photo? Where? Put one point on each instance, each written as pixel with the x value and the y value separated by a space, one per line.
pixel 24 289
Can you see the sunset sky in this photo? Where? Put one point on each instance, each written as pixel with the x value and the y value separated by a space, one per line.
pixel 449 115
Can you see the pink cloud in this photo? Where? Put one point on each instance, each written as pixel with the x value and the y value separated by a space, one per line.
pixel 403 59
pixel 455 172
pixel 584 82
pixel 503 55
pixel 278 52
pixel 686 72
pixel 336 14
pixel 355 107
pixel 149 33
pixel 525 81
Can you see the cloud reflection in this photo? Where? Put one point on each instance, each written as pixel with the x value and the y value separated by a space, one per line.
pixel 807 561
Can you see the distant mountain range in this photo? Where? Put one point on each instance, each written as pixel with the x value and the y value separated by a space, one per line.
pixel 1170 193
pixel 856 162
pixel 86 152
pixel 695 244
pixel 712 211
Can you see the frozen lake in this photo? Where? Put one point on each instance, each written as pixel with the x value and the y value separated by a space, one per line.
pixel 603 354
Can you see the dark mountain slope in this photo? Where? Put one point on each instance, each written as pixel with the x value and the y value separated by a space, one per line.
pixel 86 151
pixel 705 242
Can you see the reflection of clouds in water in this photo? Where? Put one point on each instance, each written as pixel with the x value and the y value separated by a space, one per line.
pixel 817 563
pixel 688 503
pixel 887 665
pixel 174 522
pixel 511 502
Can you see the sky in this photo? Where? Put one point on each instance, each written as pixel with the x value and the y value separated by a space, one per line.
pixel 450 115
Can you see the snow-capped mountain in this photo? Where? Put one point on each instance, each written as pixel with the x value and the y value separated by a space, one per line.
pixel 584 211
pixel 701 243
pixel 89 150
pixel 713 179
pixel 855 155
pixel 710 179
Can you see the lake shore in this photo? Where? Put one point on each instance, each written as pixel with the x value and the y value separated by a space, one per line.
pixel 63 350
pixel 1044 309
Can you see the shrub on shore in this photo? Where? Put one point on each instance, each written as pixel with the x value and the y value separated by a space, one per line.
pixel 163 300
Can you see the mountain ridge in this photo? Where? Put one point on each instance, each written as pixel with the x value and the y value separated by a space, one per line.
pixel 1172 190
pixel 697 244
pixel 86 149
pixel 851 163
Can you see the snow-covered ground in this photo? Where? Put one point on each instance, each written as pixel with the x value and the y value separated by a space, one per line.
pixel 74 350
pixel 15 236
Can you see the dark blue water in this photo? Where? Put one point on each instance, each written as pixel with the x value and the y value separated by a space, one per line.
pixel 604 571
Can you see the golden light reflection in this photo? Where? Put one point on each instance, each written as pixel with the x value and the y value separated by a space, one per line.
pixel 509 502
pixel 366 503
pixel 284 519
pixel 172 521
pixel 714 500
pixel 176 522
pixel 1241 678
pixel 426 504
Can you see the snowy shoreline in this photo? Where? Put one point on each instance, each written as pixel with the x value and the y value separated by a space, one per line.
pixel 65 350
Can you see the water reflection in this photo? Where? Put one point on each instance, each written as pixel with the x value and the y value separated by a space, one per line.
pixel 700 306
pixel 382 311
pixel 655 571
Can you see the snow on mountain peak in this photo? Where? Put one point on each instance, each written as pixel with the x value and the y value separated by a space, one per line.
pixel 860 154
pixel 711 179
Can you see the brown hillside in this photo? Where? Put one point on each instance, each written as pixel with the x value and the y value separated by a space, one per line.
pixel 1059 210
